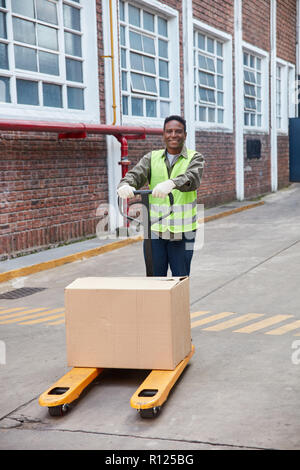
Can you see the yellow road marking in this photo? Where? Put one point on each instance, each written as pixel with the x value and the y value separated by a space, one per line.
pixel 23 312
pixel 211 318
pixel 11 310
pixel 283 329
pixel 32 316
pixel 41 320
pixel 233 322
pixel 198 314
pixel 263 324
pixel 58 322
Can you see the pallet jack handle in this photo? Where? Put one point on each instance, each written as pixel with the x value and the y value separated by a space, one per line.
pixel 147 222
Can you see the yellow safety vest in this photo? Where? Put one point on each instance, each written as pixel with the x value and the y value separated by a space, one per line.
pixel 184 216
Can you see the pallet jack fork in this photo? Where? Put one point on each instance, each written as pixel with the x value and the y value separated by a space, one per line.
pixel 151 394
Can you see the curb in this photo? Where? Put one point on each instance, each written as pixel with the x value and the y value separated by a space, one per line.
pixel 35 268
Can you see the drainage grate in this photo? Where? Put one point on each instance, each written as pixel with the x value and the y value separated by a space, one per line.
pixel 21 292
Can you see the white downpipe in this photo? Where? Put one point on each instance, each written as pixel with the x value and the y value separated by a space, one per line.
pixel 239 100
pixel 273 123
pixel 113 146
pixel 188 31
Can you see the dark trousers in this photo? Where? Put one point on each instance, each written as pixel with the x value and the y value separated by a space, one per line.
pixel 174 253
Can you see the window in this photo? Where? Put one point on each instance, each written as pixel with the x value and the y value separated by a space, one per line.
pixel 278 96
pixel 252 90
pixel 208 79
pixel 145 62
pixel 42 55
pixel 285 106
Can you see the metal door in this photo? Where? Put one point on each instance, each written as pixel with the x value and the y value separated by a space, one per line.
pixel 294 139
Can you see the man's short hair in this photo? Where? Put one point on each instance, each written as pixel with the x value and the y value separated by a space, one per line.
pixel 175 118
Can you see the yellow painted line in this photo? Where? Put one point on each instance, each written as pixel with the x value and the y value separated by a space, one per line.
pixel 27 270
pixel 211 318
pixel 21 313
pixel 58 322
pixel 263 324
pixel 210 218
pixel 28 317
pixel 285 328
pixel 198 314
pixel 41 320
pixel 11 310
pixel 233 322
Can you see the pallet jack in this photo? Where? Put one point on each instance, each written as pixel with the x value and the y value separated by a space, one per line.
pixel 153 392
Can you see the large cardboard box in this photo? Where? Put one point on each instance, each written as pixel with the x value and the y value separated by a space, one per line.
pixel 131 323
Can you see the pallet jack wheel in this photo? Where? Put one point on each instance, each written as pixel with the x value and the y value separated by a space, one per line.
pixel 147 413
pixel 59 410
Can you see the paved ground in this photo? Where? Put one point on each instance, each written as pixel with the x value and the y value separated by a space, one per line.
pixel 241 389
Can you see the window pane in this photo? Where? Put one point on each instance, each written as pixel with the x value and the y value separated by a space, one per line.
pixel 135 40
pixel 136 106
pixel 27 92
pixel 73 44
pixel 3 56
pixel 150 108
pixel 71 17
pixel 25 58
pixel 210 45
pixel 48 63
pixel 162 26
pixel 23 8
pixel 220 115
pixel 122 36
pixel 137 81
pixel 74 70
pixel 148 20
pixel 220 49
pixel 136 61
pixel 24 31
pixel 4 90
pixel 164 88
pixel 163 69
pixel 124 81
pixel 202 113
pixel 3 32
pixel 211 114
pixel 46 11
pixel 123 58
pixel 162 48
pixel 201 41
pixel 47 37
pixel 125 105
pixel 75 98
pixel 3 3
pixel 149 65
pixel 52 95
pixel 164 109
pixel 122 11
pixel 134 15
pixel 148 44
pixel 150 84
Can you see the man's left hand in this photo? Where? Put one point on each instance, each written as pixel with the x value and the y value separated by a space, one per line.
pixel 163 189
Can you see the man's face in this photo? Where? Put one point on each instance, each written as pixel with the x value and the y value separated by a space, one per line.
pixel 174 136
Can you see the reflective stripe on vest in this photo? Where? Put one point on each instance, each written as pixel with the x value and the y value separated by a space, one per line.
pixel 184 217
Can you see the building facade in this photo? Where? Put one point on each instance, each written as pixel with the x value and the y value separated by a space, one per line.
pixel 228 66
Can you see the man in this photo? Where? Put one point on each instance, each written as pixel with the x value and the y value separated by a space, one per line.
pixel 173 169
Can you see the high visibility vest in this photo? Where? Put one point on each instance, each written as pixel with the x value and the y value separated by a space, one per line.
pixel 184 216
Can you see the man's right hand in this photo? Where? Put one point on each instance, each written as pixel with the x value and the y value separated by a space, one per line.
pixel 126 191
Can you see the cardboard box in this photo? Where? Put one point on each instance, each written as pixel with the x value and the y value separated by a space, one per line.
pixel 131 323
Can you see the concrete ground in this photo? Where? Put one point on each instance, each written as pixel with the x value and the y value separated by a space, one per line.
pixel 241 389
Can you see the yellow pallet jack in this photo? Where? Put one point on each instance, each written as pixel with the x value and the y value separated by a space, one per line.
pixel 151 394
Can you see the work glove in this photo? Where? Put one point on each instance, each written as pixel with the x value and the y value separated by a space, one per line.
pixel 125 191
pixel 163 189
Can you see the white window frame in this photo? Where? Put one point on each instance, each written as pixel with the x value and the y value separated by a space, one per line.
pixel 226 40
pixel 287 94
pixel 171 15
pixel 264 56
pixel 90 85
